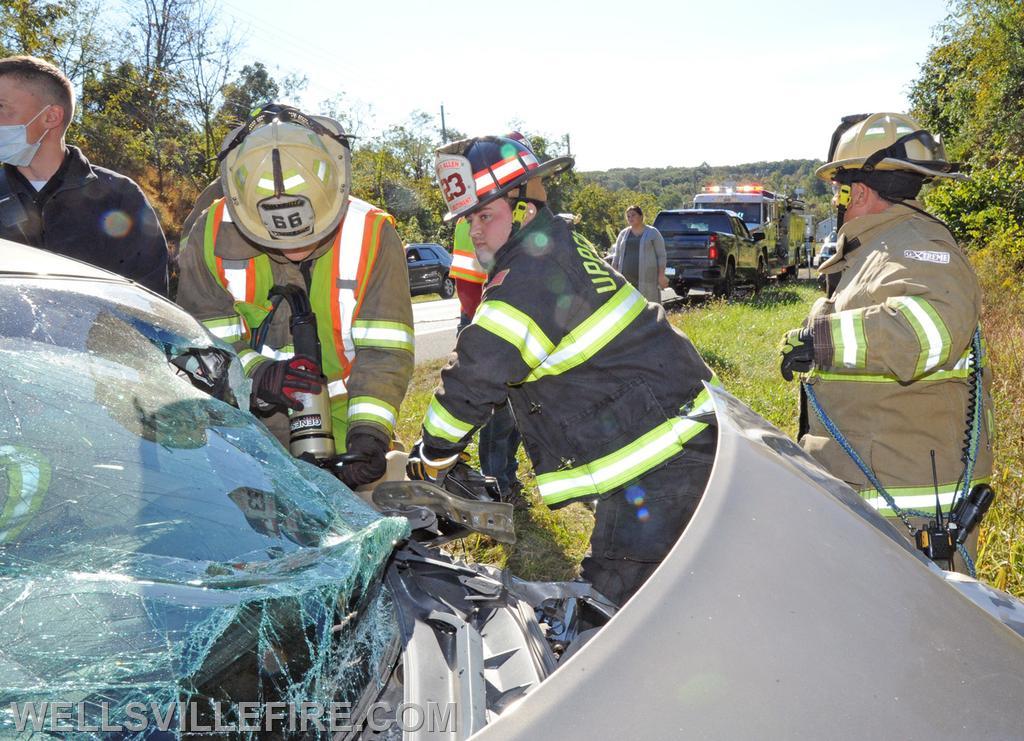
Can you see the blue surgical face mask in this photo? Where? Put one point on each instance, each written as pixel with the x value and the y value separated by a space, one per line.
pixel 15 148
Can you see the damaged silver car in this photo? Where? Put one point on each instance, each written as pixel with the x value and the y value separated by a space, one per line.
pixel 167 569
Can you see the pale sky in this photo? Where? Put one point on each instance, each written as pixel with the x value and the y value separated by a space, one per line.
pixel 647 83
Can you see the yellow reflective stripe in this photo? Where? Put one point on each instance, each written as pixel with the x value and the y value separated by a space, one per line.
pixel 916 497
pixel 28 478
pixel 230 328
pixel 382 334
pixel 516 328
pixel 286 352
pixel 467 267
pixel 961 370
pixel 848 339
pixel 249 359
pixel 369 409
pixel 441 423
pixel 618 468
pixel 593 333
pixel 931 331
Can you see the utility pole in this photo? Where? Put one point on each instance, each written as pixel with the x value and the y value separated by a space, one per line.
pixel 444 131
pixel 568 146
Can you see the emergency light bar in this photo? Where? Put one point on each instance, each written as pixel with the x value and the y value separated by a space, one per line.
pixel 726 189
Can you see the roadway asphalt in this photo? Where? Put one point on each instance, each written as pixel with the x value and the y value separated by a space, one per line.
pixel 435 323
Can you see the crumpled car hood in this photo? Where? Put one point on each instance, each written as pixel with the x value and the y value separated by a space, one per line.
pixel 788 609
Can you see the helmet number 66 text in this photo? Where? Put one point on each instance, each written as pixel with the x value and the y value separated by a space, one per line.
pixel 294 220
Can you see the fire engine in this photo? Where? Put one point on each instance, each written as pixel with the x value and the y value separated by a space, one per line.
pixel 779 218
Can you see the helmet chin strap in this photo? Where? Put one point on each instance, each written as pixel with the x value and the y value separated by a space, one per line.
pixel 842 201
pixel 520 208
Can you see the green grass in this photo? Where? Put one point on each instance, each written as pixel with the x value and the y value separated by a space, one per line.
pixel 739 340
pixel 1000 543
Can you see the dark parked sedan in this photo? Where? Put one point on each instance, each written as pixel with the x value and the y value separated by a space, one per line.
pixel 428 269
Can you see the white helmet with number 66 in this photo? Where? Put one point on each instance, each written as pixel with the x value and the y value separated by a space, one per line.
pixel 286 177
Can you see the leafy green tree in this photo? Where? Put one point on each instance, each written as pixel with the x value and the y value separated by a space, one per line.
pixel 971 86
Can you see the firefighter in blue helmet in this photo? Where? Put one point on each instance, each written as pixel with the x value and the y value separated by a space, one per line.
pixel 608 396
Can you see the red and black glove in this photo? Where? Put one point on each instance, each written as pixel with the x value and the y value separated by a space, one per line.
pixel 276 383
pixel 364 460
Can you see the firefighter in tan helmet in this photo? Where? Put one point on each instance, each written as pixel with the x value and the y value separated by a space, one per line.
pixel 287 219
pixel 894 368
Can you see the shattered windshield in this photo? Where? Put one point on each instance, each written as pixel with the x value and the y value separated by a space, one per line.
pixel 156 543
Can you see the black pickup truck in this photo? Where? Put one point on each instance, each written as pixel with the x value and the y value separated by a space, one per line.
pixel 710 249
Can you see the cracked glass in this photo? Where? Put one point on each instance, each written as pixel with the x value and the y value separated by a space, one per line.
pixel 157 544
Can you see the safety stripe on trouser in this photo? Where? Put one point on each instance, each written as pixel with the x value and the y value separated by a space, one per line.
pixel 439 422
pixel 628 463
pixel 368 333
pixel 931 331
pixel 916 497
pixel 230 328
pixel 369 409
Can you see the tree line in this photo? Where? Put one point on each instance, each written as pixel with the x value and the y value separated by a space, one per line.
pixel 970 88
pixel 160 87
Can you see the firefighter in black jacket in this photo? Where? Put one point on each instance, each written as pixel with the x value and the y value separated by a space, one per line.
pixel 607 395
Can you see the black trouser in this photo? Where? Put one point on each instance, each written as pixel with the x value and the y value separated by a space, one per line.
pixel 637 526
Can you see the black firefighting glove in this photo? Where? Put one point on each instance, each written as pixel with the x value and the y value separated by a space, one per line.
pixel 365 457
pixel 427 464
pixel 276 383
pixel 797 348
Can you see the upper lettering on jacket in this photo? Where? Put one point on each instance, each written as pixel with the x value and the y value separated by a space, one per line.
pixel 596 268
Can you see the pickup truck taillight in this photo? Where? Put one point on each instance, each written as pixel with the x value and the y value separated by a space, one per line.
pixel 713 247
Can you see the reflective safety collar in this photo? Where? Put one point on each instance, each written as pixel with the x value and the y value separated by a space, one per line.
pixel 628 463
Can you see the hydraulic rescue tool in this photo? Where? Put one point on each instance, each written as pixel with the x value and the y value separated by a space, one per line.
pixel 311 437
pixel 462 502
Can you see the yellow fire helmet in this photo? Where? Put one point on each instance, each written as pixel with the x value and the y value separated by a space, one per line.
pixel 886 141
pixel 286 177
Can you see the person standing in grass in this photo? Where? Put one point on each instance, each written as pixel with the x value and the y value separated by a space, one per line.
pixel 639 254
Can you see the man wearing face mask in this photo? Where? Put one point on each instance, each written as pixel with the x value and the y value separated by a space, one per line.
pixel 608 396
pixel 52 197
